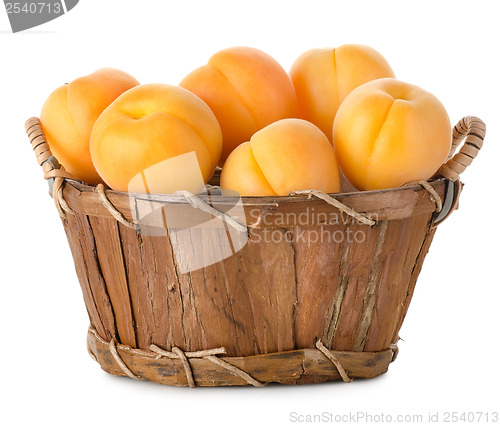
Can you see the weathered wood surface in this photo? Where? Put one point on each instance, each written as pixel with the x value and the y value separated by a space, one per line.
pixel 109 249
pixel 94 288
pixel 290 367
pixel 282 291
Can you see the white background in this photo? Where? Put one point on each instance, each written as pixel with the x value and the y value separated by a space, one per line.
pixel 449 359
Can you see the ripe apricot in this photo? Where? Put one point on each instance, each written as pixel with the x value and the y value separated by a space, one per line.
pixel 288 155
pixel 388 132
pixel 246 89
pixel 324 77
pixel 156 138
pixel 69 114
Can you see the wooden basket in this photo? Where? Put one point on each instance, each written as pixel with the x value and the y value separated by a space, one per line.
pixel 290 307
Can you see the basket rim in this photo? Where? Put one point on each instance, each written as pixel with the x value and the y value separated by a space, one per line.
pixel 254 200
pixel 379 205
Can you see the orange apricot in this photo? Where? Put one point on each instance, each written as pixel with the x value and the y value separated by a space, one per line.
pixel 388 133
pixel 246 89
pixel 69 114
pixel 324 77
pixel 156 138
pixel 287 155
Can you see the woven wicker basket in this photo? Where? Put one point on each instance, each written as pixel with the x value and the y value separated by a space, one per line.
pixel 294 302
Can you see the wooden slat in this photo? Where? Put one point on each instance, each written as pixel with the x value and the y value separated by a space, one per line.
pixel 371 290
pixel 110 256
pixel 265 270
pixel 83 247
pixel 423 250
pixel 320 282
pixel 138 285
pixel 356 268
pixel 396 278
pixel 164 291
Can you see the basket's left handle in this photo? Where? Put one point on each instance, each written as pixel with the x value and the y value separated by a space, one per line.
pixel 50 166
pixel 52 170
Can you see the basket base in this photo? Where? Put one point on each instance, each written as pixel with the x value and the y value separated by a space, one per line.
pixel 300 366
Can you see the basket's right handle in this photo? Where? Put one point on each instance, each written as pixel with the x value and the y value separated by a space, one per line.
pixel 473 130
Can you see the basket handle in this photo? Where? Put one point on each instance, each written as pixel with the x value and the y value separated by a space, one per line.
pixel 473 130
pixel 52 170
pixel 50 166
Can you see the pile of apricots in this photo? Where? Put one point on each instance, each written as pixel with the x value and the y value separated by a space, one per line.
pixel 339 119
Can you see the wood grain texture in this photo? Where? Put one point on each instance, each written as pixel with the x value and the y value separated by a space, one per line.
pixel 280 287
pixel 357 271
pixel 83 247
pixel 395 273
pixel 110 255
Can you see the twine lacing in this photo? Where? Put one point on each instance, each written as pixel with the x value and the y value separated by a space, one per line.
pixel 177 353
pixel 335 361
pixel 432 192
pixel 336 203
pixel 192 199
pixel 198 203
pixel 57 194
pixel 211 355
pixel 208 354
pixel 395 351
pixel 112 209
pixel 119 361
pixel 329 354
